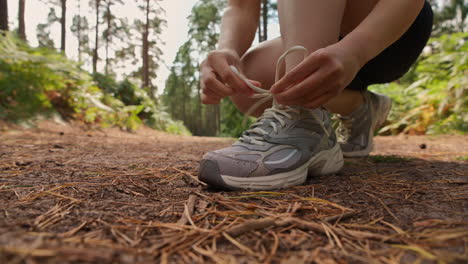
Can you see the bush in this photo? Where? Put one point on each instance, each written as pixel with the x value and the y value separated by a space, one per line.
pixel 39 81
pixel 434 99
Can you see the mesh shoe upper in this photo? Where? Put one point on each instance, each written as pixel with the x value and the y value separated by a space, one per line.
pixel 356 130
pixel 282 149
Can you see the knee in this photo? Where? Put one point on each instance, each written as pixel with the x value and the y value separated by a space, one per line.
pixel 244 104
pixel 248 62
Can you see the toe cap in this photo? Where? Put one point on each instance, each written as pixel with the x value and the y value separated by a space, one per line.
pixel 209 173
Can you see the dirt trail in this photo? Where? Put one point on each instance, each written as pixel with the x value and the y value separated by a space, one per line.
pixel 69 195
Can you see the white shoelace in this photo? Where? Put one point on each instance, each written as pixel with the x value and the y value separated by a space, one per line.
pixel 345 127
pixel 277 111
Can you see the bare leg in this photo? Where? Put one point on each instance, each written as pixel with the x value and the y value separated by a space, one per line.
pixel 313 24
pixel 355 11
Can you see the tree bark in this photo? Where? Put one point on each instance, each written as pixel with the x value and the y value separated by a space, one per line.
pixel 218 119
pixel 260 29
pixel 79 33
pixel 145 52
pixel 21 24
pixel 199 107
pixel 4 15
pixel 96 41
pixel 107 36
pixel 265 19
pixel 63 22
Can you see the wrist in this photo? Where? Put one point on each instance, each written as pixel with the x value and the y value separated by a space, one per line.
pixel 356 51
pixel 352 57
pixel 229 50
pixel 230 54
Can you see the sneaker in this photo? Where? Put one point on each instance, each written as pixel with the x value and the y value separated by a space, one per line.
pixel 278 151
pixel 356 131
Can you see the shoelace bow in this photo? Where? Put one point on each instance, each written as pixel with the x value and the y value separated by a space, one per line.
pixel 277 111
pixel 345 127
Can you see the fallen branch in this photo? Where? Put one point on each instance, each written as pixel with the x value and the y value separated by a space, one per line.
pixel 257 224
pixel 190 205
pixel 190 175
pixel 251 225
pixel 337 218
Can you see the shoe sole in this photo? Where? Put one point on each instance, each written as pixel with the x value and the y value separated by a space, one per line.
pixel 325 162
pixel 386 107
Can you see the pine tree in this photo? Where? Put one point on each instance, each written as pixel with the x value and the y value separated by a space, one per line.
pixel 263 21
pixel 449 16
pixel 150 28
pixel 183 86
pixel 97 9
pixel 4 15
pixel 63 23
pixel 267 12
pixel 113 29
pixel 21 23
pixel 43 30
pixel 80 28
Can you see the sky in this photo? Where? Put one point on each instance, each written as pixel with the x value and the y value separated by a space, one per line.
pixel 174 35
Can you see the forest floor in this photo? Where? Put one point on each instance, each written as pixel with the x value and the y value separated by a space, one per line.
pixel 68 195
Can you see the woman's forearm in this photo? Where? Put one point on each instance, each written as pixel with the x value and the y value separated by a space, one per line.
pixel 238 25
pixel 387 22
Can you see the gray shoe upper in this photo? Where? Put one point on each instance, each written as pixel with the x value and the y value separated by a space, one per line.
pixel 356 130
pixel 273 146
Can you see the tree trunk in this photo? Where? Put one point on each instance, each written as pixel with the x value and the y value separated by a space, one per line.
pixel 199 107
pixel 21 25
pixel 63 22
pixel 96 41
pixel 184 105
pixel 260 29
pixel 79 33
pixel 4 15
pixel 265 20
pixel 218 119
pixel 145 52
pixel 107 36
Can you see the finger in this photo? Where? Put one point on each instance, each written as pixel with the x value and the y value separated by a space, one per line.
pixel 211 93
pixel 298 73
pixel 207 99
pixel 229 77
pixel 310 98
pixel 310 85
pixel 211 82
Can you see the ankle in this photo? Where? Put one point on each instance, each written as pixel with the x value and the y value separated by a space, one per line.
pixel 346 103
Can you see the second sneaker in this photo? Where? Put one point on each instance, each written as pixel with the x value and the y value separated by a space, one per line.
pixel 356 131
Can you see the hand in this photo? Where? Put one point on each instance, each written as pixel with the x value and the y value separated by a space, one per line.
pixel 317 79
pixel 217 78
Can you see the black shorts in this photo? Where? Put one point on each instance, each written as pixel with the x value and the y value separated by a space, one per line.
pixel 398 58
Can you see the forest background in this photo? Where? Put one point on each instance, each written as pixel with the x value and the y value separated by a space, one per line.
pixel 113 79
